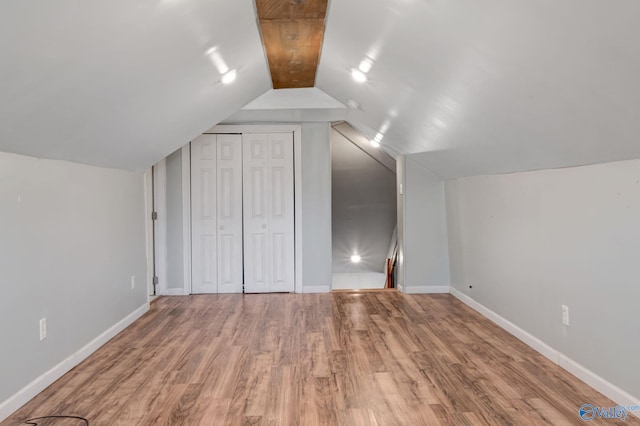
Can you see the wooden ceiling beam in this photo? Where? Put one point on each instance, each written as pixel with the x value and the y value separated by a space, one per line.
pixel 292 33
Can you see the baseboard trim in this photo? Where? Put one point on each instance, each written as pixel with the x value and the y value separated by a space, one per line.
pixel 426 289
pixel 316 289
pixel 25 394
pixel 603 386
pixel 174 292
pixel 507 325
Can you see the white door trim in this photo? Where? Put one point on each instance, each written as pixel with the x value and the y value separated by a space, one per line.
pixel 297 200
pixel 160 201
pixel 297 179
pixel 186 214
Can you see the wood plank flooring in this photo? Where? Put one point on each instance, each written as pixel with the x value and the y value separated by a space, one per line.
pixel 378 358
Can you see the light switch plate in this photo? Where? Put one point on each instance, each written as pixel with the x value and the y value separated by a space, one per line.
pixel 565 315
pixel 43 329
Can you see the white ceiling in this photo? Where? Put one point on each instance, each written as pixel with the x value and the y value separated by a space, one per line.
pixel 473 86
pixel 304 98
pixel 291 105
pixel 122 83
pixel 491 86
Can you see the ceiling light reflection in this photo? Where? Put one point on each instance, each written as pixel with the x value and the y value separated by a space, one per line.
pixel 358 75
pixel 365 65
pixel 229 77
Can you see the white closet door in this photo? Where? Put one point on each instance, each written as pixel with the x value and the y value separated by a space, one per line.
pixel 229 202
pixel 203 215
pixel 268 212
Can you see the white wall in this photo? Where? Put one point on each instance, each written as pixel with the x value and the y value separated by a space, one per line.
pixel 316 206
pixel 424 257
pixel 530 242
pixel 71 237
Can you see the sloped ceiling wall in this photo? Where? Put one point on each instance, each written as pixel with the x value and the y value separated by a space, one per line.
pixel 490 86
pixel 474 86
pixel 122 83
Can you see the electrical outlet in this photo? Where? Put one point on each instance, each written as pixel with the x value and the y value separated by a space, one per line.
pixel 133 282
pixel 43 329
pixel 565 315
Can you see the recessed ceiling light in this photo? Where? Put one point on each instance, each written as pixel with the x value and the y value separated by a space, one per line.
pixel 355 258
pixel 229 77
pixel 378 137
pixel 374 143
pixel 365 65
pixel 358 75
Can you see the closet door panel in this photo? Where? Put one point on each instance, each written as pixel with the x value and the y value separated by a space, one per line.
pixel 203 215
pixel 281 220
pixel 268 212
pixel 243 213
pixel 229 213
pixel 256 208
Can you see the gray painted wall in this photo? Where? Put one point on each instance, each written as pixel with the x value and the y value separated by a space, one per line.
pixel 175 261
pixel 531 242
pixel 363 207
pixel 316 205
pixel 425 254
pixel 71 236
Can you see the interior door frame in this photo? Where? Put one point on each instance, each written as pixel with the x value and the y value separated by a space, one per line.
pixel 160 254
pixel 148 228
pixel 160 230
pixel 296 129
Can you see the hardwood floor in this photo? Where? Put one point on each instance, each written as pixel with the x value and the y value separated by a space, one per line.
pixel 378 358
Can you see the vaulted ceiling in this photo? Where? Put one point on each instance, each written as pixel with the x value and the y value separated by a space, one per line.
pixel 469 86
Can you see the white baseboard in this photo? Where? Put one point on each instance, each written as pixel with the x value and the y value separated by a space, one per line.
pixel 25 394
pixel 606 388
pixel 526 337
pixel 174 292
pixel 426 289
pixel 316 289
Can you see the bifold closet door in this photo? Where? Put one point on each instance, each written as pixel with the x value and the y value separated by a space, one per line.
pixel 216 214
pixel 268 212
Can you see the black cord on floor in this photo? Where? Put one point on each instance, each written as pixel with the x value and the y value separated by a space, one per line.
pixel 34 423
